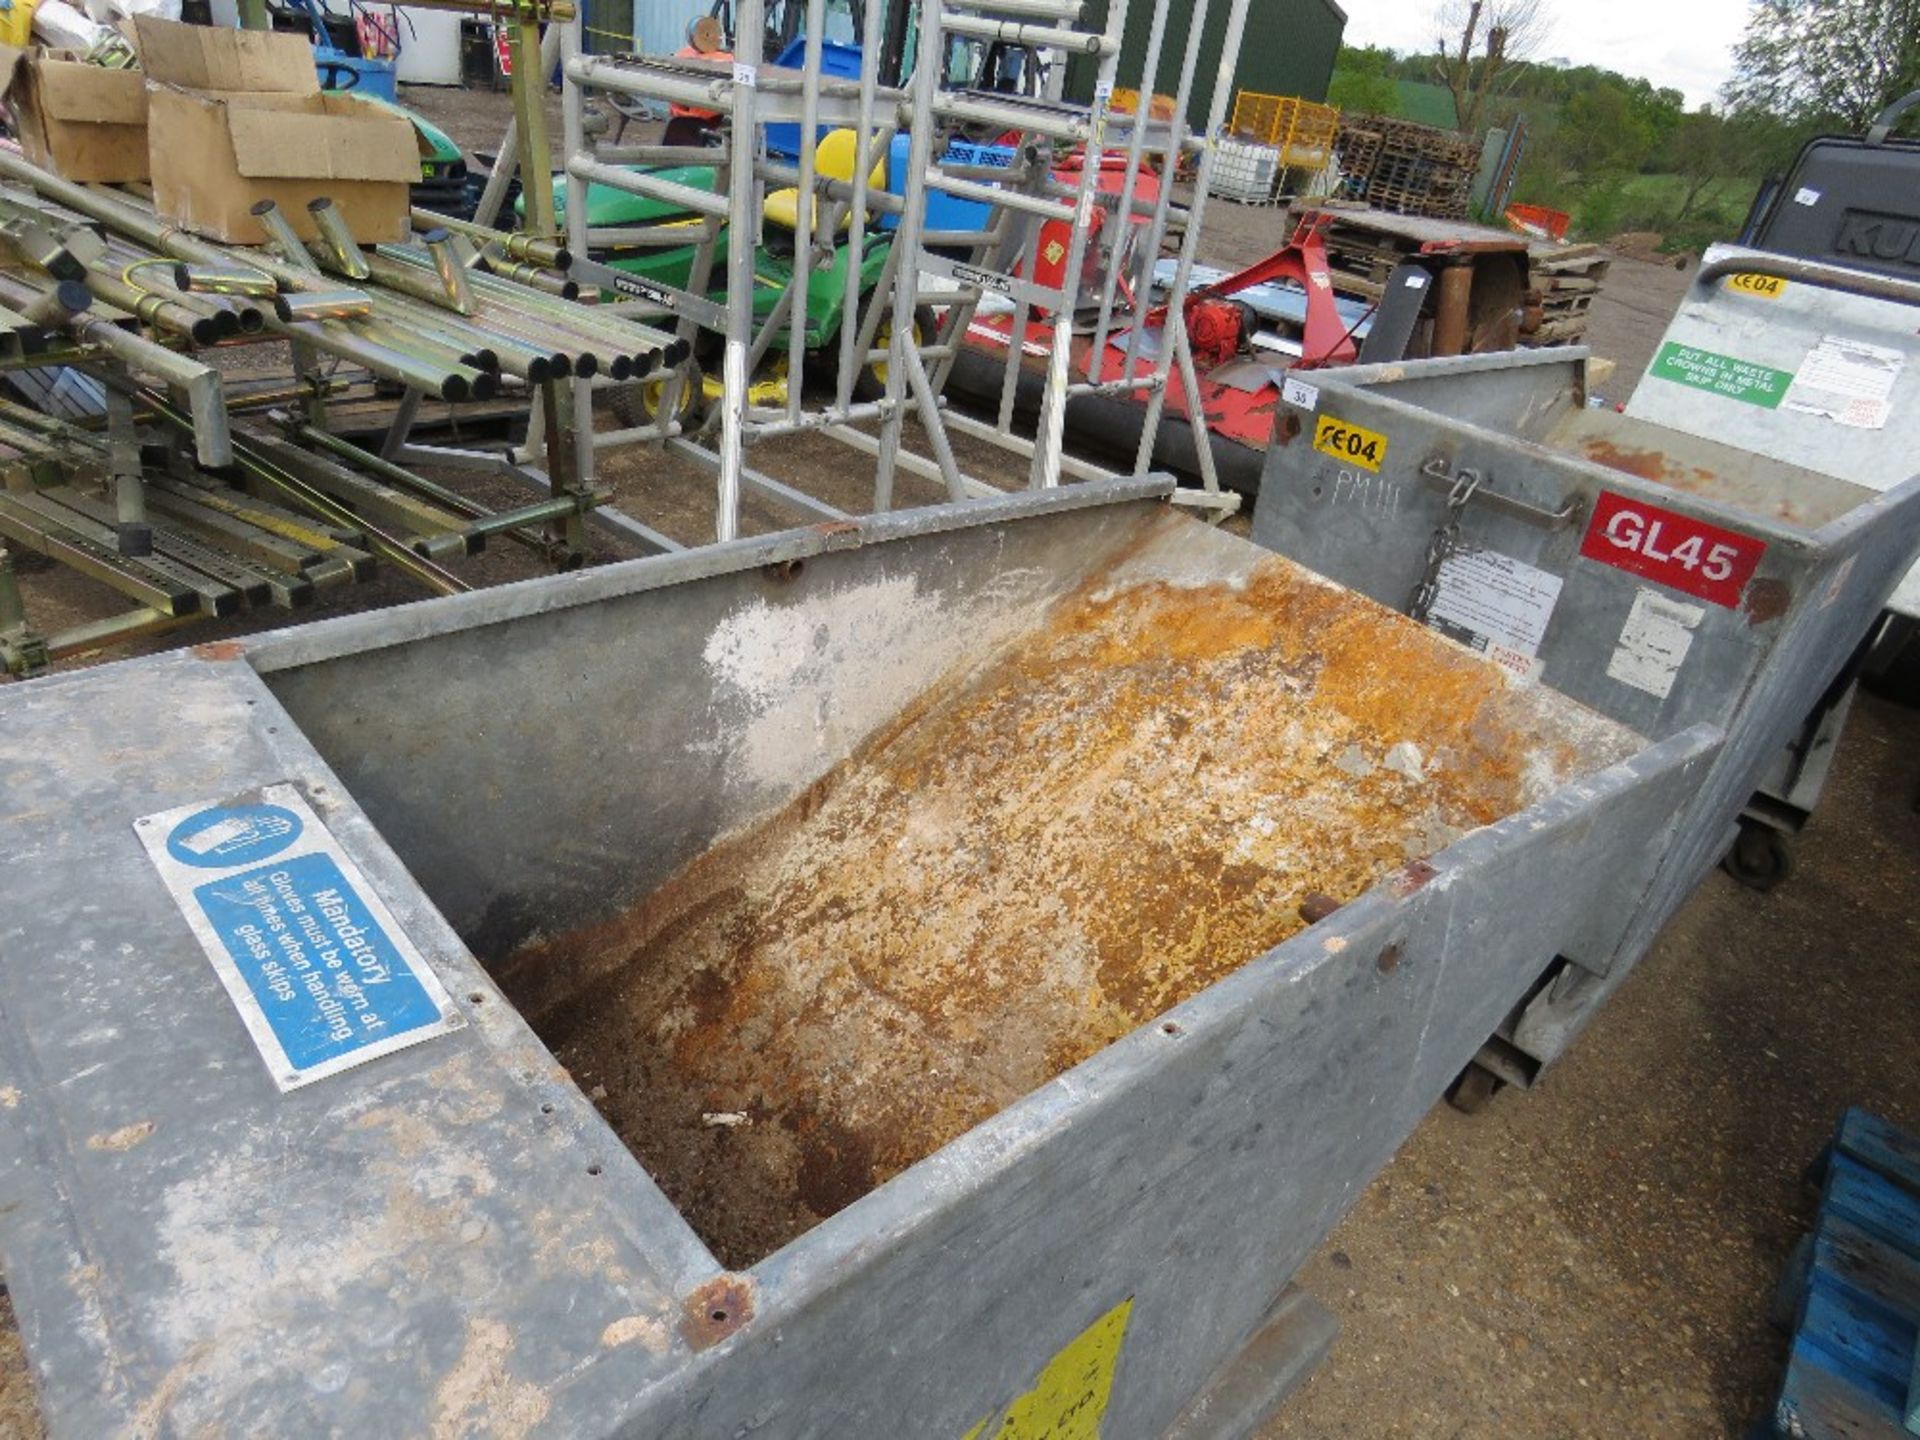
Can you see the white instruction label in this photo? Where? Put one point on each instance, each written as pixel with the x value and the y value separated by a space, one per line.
pixel 1495 603
pixel 1848 381
pixel 1654 642
pixel 1299 393
pixel 1806 196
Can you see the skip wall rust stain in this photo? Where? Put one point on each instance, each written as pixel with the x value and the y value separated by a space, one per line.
pixel 1030 862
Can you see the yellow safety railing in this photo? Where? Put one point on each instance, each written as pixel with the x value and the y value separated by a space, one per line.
pixel 1299 129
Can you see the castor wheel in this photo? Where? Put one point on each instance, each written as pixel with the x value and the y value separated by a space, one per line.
pixel 1472 1088
pixel 1760 858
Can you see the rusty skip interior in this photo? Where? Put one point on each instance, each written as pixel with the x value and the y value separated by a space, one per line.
pixel 1117 803
pixel 1753 484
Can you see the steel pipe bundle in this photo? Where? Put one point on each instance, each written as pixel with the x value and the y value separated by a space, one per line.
pixel 63 304
pixel 433 316
pixel 511 243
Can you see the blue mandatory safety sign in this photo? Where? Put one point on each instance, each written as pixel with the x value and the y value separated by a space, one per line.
pixel 230 835
pixel 326 974
pixel 319 969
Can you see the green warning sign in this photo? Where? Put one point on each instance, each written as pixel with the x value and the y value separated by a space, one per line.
pixel 1722 374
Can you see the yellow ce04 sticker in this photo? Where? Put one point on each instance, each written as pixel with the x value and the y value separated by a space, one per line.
pixel 1353 443
pixel 1069 1397
pixel 1766 287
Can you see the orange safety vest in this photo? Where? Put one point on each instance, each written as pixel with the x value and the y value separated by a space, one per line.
pixel 690 52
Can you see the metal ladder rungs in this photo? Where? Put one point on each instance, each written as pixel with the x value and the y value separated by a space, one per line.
pixel 957 239
pixel 653 187
pixel 650 79
pixel 649 237
pixel 1066 12
pixel 879 202
pixel 661 154
pixel 1058 122
pixel 1038 205
pixel 682 82
pixel 1047 37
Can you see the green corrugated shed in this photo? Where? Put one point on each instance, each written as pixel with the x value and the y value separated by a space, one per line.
pixel 1289 49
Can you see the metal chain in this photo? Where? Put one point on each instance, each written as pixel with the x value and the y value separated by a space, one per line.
pixel 1446 539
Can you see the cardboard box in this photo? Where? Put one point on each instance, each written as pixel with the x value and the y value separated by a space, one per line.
pixel 237 116
pixel 80 121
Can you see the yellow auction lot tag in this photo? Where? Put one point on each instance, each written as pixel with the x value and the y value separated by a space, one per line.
pixel 1353 443
pixel 1766 287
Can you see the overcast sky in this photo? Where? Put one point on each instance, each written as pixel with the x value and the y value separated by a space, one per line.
pixel 1683 43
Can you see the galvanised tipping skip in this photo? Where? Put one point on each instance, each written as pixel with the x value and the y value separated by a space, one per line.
pixel 1128 745
pixel 1662 578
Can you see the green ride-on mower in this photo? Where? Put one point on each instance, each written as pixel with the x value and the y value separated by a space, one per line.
pixel 609 208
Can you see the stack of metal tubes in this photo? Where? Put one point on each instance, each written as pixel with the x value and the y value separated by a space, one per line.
pixel 450 314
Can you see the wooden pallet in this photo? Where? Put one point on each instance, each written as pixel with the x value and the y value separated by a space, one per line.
pixel 1404 167
pixel 1562 282
pixel 1365 245
pixel 1852 1295
pixel 1572 261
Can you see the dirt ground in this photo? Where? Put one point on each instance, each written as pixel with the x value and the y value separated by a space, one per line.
pixel 1594 1259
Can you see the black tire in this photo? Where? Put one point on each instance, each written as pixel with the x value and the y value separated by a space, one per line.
pixel 1760 857
pixel 1472 1088
pixel 634 403
pixel 1893 667
pixel 871 384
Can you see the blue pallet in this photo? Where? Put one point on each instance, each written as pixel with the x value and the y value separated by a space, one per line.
pixel 1852 1373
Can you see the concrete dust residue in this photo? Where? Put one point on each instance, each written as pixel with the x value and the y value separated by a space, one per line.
pixel 631 1329
pixel 816 680
pixel 1034 859
pixel 125 1138
pixel 479 1395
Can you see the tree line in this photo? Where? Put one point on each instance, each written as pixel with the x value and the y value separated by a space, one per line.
pixel 1620 153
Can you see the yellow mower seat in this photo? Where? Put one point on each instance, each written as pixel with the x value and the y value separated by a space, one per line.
pixel 834 157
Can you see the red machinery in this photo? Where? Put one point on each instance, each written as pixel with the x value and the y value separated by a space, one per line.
pixel 1239 390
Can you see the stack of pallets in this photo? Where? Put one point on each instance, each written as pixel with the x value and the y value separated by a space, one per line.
pixel 1364 245
pixel 1851 1295
pixel 1562 281
pixel 1407 168
pixel 1355 148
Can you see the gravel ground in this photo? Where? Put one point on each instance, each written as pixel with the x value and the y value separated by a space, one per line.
pixel 1592 1259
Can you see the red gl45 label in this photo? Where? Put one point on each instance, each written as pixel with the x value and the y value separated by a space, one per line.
pixel 1672 549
